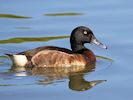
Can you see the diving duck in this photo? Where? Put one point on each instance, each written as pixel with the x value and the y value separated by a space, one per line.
pixel 52 56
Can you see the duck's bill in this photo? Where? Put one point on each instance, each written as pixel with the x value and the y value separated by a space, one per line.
pixel 98 43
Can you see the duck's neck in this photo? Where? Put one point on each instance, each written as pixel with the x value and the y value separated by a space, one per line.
pixel 77 46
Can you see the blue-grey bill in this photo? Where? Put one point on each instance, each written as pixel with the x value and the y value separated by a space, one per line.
pixel 98 43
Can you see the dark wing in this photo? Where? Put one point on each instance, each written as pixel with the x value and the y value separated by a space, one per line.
pixel 30 53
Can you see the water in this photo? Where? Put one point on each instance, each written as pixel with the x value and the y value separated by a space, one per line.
pixel 29 24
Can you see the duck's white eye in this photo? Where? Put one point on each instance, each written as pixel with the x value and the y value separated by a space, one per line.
pixel 85 32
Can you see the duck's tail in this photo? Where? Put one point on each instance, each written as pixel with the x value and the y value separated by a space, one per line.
pixel 9 55
pixel 19 60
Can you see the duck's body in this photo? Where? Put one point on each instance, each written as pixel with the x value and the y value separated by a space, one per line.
pixel 50 56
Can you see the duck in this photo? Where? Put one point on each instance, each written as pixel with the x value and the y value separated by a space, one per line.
pixel 52 56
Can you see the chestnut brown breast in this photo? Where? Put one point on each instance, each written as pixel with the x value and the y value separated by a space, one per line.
pixel 90 56
pixel 54 58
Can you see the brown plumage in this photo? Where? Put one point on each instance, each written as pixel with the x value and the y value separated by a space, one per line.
pixel 54 58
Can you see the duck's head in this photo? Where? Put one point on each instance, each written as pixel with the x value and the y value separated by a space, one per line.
pixel 81 35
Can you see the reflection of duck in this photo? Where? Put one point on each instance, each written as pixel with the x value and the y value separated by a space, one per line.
pixel 76 80
pixel 50 56
pixel 50 75
pixel 51 72
pixel 78 83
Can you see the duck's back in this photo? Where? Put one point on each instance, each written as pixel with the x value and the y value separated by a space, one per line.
pixel 30 53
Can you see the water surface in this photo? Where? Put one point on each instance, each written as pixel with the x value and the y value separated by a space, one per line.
pixel 29 24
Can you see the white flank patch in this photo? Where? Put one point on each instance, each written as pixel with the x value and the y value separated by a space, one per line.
pixel 20 60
